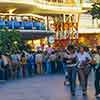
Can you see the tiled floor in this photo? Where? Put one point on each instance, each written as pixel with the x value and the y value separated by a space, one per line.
pixel 42 88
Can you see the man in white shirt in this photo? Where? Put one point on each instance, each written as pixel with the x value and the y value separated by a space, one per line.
pixel 39 62
pixel 84 68
pixel 83 57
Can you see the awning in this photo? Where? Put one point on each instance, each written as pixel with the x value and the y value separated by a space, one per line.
pixel 36 7
pixel 35 34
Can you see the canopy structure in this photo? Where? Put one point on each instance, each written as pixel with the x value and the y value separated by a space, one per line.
pixel 28 35
pixel 39 7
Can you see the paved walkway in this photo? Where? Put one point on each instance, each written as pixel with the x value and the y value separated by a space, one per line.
pixel 42 88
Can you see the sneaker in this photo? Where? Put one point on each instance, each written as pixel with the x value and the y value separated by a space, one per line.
pixel 98 96
pixel 66 83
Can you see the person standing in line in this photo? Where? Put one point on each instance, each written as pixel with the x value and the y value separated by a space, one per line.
pixel 18 65
pixel 47 62
pixel 48 71
pixel 1 68
pixel 45 57
pixel 52 58
pixel 6 66
pixel 71 62
pixel 59 56
pixel 97 72
pixel 39 62
pixel 33 62
pixel 9 64
pixel 30 64
pixel 15 62
pixel 23 62
pixel 83 68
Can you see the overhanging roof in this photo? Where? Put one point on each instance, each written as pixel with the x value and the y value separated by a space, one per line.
pixel 29 6
pixel 35 34
pixel 89 31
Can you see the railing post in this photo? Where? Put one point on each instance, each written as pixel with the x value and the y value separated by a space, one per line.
pixel 47 23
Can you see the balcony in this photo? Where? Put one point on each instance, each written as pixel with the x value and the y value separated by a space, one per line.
pixel 25 25
pixel 38 7
pixel 28 29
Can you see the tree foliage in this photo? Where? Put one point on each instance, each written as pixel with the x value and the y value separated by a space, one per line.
pixel 9 40
pixel 95 10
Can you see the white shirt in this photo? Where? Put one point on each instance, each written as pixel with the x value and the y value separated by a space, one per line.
pixel 39 58
pixel 15 58
pixel 52 57
pixel 97 58
pixel 19 56
pixel 5 60
pixel 83 57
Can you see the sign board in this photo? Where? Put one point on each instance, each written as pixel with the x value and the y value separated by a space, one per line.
pixel 51 39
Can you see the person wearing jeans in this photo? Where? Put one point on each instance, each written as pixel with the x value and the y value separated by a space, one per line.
pixel 71 62
pixel 66 82
pixel 48 69
pixel 72 72
pixel 97 72
pixel 52 58
pixel 1 69
pixel 23 62
pixel 30 64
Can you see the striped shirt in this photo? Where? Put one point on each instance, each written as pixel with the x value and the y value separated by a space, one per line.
pixel 70 60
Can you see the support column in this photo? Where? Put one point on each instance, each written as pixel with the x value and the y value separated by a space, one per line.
pixel 32 44
pixel 47 23
pixel 77 30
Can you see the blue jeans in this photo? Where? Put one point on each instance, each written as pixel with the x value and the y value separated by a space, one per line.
pixel 64 67
pixel 97 81
pixel 72 71
pixel 1 75
pixel 53 66
pixel 44 66
pixel 19 72
pixel 65 71
pixel 29 69
pixel 48 69
pixel 59 66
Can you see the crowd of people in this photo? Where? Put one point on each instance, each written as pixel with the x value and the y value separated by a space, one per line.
pixel 72 61
pixel 27 64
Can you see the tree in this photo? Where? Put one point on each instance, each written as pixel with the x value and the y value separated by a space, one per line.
pixel 95 11
pixel 9 40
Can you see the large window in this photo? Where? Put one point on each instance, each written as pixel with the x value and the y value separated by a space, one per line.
pixel 87 22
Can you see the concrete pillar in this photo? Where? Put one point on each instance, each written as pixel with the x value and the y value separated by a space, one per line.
pixel 47 23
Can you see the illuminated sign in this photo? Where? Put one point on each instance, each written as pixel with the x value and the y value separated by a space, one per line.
pixel 51 39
